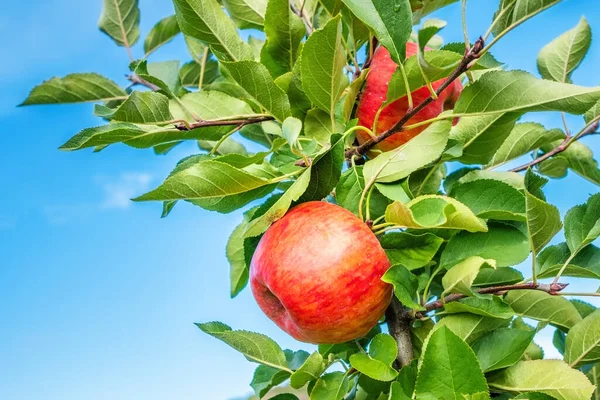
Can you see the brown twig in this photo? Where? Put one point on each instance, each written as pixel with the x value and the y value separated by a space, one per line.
pixel 302 14
pixel 239 122
pixel 548 288
pixel 590 129
pixel 136 80
pixel 470 55
pixel 398 321
pixel 367 63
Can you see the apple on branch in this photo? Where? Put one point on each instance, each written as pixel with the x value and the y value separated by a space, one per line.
pixel 317 274
pixel 375 92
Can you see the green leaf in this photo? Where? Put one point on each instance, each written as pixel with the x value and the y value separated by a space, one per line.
pixel 482 135
pixel 394 191
pixel 206 180
pixel 469 327
pixel 235 252
pixel 256 80
pixel 582 345
pixel 424 8
pixel 412 251
pixel 325 171
pixel 284 31
pixel 501 348
pixel 499 276
pixel 310 370
pixel 164 75
pixel 377 364
pixel 448 368
pixel 255 346
pixel 582 224
pixel 583 308
pixel 578 157
pixel 291 129
pixel 75 88
pixel 559 58
pixel 542 306
pixel 190 73
pixel 120 20
pixel 331 386
pixel 517 12
pixel 433 211
pixel 505 244
pixel 491 199
pixel 405 285
pixel 350 188
pixel 486 305
pixel 163 32
pixel 543 219
pixel 207 22
pixel 133 135
pixel 143 108
pixel 280 207
pixel 415 154
pixel 317 125
pixel 524 138
pixel 391 24
pixel 265 378
pixel 551 377
pixel 460 278
pixel 519 91
pixel 353 93
pixel 247 14
pixel 322 65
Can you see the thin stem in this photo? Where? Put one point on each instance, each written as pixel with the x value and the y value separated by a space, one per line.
pixel 390 228
pixel 407 86
pixel 223 139
pixel 368 205
pixel 552 289
pixel 589 129
pixel 498 17
pixel 202 68
pixel 464 25
pixel 137 80
pixel 462 67
pixel 580 294
pixel 564 266
pixel 428 285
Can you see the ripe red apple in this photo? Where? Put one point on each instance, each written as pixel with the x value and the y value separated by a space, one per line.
pixel 317 274
pixel 375 92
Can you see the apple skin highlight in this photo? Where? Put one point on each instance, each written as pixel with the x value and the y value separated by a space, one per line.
pixel 375 92
pixel 317 274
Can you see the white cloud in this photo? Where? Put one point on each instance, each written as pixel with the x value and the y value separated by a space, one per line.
pixel 118 193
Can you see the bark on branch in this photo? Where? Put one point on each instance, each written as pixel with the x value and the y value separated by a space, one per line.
pixel 239 122
pixel 548 288
pixel 398 321
pixel 464 65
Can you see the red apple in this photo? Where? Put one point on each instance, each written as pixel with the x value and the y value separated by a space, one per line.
pixel 317 274
pixel 374 95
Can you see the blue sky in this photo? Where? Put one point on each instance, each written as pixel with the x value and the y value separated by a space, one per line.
pixel 98 295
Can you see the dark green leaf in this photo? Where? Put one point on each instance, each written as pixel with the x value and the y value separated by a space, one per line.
pixel 377 363
pixel 542 306
pixel 501 348
pixel 405 285
pixel 412 251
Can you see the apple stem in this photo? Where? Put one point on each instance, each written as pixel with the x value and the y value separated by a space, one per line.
pixel 471 54
pixel 398 321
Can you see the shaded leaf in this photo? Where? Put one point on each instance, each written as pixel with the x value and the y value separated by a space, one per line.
pixel 405 285
pixel 582 345
pixel 412 251
pixel 501 348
